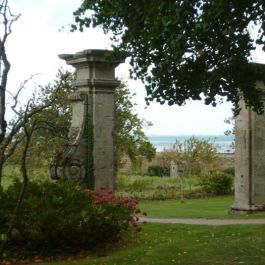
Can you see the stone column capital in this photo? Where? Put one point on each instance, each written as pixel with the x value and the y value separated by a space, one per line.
pixel 97 66
pixel 78 59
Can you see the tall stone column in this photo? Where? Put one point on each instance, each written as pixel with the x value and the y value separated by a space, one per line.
pixel 250 159
pixel 89 157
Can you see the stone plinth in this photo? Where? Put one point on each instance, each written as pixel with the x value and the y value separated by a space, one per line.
pixel 90 155
pixel 250 160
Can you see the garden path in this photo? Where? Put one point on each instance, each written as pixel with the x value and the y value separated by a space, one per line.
pixel 202 221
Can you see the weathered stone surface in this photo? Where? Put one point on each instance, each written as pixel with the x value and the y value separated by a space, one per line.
pixel 173 169
pixel 92 102
pixel 250 160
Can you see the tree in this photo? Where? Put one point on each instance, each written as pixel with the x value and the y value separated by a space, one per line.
pixel 129 136
pixel 54 122
pixel 194 156
pixel 7 19
pixel 17 131
pixel 186 49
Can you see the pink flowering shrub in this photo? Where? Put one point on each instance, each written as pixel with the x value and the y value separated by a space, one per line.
pixel 116 207
pixel 65 217
pixel 100 197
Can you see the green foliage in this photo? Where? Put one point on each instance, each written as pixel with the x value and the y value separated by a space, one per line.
pixel 54 122
pixel 63 217
pixel 217 183
pixel 129 135
pixel 185 49
pixel 158 171
pixel 195 156
pixel 230 171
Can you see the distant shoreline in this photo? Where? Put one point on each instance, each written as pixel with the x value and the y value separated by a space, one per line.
pixel 223 143
pixel 189 135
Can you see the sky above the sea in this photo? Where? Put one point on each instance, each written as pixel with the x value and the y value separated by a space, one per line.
pixel 37 39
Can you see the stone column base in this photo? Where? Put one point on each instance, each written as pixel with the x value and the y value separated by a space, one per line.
pixel 236 208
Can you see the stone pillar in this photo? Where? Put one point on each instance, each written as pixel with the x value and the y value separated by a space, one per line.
pixel 249 160
pixel 90 155
pixel 173 169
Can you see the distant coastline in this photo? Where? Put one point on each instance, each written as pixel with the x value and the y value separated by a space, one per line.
pixel 223 143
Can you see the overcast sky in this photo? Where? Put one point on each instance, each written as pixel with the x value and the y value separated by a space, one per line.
pixel 37 40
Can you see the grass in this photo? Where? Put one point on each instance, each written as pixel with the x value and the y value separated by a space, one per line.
pixel 186 245
pixel 9 173
pixel 12 172
pixel 216 207
pixel 146 187
pixel 140 183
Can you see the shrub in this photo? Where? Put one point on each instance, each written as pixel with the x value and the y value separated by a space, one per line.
pixel 158 171
pixel 217 183
pixel 63 217
pixel 230 171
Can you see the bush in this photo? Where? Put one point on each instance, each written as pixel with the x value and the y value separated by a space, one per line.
pixel 217 183
pixel 63 217
pixel 230 171
pixel 158 171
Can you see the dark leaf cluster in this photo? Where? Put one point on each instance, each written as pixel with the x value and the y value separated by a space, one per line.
pixel 186 49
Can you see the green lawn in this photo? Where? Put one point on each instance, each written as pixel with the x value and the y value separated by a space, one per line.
pixel 187 245
pixel 216 207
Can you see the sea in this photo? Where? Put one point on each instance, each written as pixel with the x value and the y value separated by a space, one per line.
pixel 223 143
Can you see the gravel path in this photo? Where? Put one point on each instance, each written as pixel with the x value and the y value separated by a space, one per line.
pixel 200 221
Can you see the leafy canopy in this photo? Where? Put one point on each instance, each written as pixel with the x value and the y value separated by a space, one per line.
pixel 186 49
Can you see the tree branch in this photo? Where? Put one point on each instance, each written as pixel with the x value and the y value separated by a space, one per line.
pixel 8 20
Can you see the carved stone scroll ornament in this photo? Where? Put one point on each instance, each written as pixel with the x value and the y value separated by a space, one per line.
pixel 70 162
